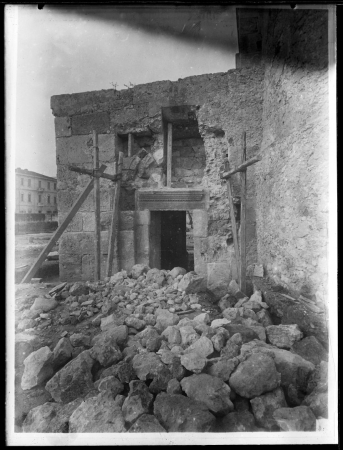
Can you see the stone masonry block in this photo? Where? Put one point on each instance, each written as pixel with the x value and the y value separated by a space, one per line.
pixel 75 224
pixel 62 126
pixel 142 246
pixel 200 223
pixel 142 217
pixel 126 220
pixel 219 276
pixel 79 150
pixel 86 123
pixel 126 249
pixel 70 271
pixel 87 267
pixel 88 219
pixel 76 244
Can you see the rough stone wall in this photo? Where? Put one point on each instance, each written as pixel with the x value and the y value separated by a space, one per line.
pixel 227 104
pixel 188 162
pixel 292 194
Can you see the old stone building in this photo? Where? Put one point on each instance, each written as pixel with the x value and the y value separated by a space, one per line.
pixel 278 95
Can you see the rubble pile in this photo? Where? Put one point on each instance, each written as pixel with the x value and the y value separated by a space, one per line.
pixel 154 359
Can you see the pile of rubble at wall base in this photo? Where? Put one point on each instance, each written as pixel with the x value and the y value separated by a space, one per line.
pixel 149 369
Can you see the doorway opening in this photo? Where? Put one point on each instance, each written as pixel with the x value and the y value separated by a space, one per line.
pixel 175 247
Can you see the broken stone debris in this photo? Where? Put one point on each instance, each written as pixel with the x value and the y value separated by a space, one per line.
pixel 149 370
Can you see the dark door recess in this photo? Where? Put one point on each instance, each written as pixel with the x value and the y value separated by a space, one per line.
pixel 173 240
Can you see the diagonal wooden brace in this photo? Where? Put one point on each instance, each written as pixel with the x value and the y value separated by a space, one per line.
pixel 242 167
pixel 95 173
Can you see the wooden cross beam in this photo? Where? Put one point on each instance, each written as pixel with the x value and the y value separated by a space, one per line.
pixel 240 253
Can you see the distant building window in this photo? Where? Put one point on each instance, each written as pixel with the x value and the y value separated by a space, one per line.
pixel 22 197
pixel 29 211
pixel 39 198
pixel 49 212
pixel 29 182
pixel 55 200
pixel 55 186
pixel 22 181
pixel 22 212
pixel 48 185
pixel 39 212
pixel 29 198
pixel 39 184
pixel 48 198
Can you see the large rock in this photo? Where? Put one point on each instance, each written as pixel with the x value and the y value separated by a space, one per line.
pixel 24 345
pixel 106 351
pixel 264 318
pixel 177 271
pixel 79 289
pixel 156 276
pixel 247 333
pixel 193 362
pixel 264 406
pixel 73 380
pixel 138 401
pixel 293 369
pixel 202 346
pixel 50 417
pixel 300 418
pixel 192 283
pixel 235 291
pixel 255 376
pixel 135 323
pixel 318 379
pixel 160 380
pixel 173 335
pixel 210 390
pixel 63 352
pixel 147 365
pixel 217 323
pixel 138 270
pixel 119 276
pixel 188 335
pixel 44 304
pixel 318 402
pixel 283 336
pixel 111 384
pixel 177 413
pixel 123 371
pixel 236 422
pixel 165 319
pixel 223 368
pixel 38 368
pixel 310 349
pixel 147 423
pixel 97 415
pixel 232 347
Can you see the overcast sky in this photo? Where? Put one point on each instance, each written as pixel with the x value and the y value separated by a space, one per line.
pixel 63 51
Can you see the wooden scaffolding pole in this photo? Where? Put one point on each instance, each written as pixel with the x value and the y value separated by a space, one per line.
pixel 113 237
pixel 97 237
pixel 169 153
pixel 242 277
pixel 233 221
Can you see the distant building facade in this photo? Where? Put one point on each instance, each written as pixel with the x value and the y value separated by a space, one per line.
pixel 35 194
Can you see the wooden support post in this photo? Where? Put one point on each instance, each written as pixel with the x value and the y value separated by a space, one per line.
pixel 58 233
pixel 113 237
pixel 129 145
pixel 243 218
pixel 97 237
pixel 233 224
pixel 169 153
